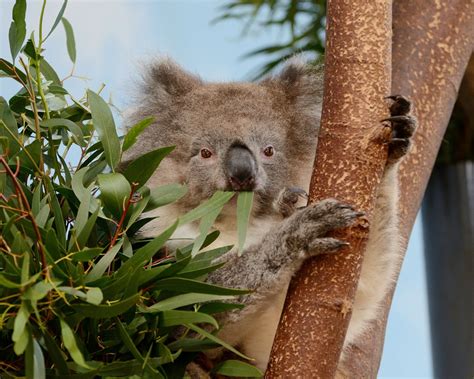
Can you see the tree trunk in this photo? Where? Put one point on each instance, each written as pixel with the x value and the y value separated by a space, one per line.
pixel 432 43
pixel 351 147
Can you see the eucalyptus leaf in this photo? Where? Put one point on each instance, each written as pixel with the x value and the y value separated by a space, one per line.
pixel 133 133
pixel 17 30
pixel 236 368
pixel 105 126
pixel 143 167
pixel 70 40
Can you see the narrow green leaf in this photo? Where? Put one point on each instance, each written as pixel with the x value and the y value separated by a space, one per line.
pixel 55 353
pixel 237 368
pixel 114 192
pixel 59 221
pixel 50 74
pixel 173 318
pixel 86 254
pixel 70 41
pixel 8 127
pixel 105 310
pixel 104 262
pixel 55 123
pixel 71 345
pixel 105 126
pixel 166 194
pixel 217 201
pixel 58 18
pixel 212 337
pixel 17 30
pixel 204 225
pixel 20 334
pixel 142 168
pixel 244 208
pixel 94 296
pixel 182 301
pixel 133 133
pixel 4 282
pixel 83 236
pixel 145 253
pixel 38 367
pixel 189 285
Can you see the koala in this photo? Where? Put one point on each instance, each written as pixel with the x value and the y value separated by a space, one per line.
pixel 262 137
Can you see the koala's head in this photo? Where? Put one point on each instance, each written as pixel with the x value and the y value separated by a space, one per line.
pixel 230 136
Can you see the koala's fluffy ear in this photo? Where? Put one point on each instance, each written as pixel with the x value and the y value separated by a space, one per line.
pixel 164 79
pixel 301 83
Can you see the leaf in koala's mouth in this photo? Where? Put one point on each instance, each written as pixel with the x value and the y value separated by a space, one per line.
pixel 244 207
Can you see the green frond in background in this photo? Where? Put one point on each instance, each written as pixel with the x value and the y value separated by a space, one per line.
pixel 305 21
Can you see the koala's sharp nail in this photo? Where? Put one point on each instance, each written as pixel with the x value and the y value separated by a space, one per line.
pixel 360 214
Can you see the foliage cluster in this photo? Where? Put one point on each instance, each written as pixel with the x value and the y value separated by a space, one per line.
pixel 81 295
pixel 305 20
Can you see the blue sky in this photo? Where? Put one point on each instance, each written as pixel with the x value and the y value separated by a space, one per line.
pixel 114 38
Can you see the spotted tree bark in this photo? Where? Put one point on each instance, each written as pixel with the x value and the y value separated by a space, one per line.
pixel 350 160
pixel 432 43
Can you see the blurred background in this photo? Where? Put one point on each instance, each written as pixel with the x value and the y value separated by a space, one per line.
pixel 222 41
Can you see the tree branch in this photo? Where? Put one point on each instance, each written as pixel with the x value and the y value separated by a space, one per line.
pixel 351 141
pixel 432 44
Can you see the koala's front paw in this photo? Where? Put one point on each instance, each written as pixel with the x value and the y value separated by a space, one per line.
pixel 308 227
pixel 403 127
pixel 288 199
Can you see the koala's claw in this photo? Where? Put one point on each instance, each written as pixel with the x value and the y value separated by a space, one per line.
pixel 287 200
pixel 308 227
pixel 403 126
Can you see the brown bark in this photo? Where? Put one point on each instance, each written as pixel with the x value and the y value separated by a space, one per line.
pixel 432 43
pixel 350 160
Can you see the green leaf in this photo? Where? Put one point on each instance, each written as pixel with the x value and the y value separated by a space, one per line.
pixel 217 201
pixel 86 254
pixel 50 74
pixel 166 194
pixel 142 168
pixel 204 225
pixel 4 282
pixel 145 253
pixel 55 123
pixel 94 296
pixel 55 353
pixel 58 215
pixel 173 318
pixel 114 192
pixel 182 301
pixel 70 41
pixel 105 310
pixel 20 335
pixel 71 345
pixel 30 155
pixel 58 18
pixel 8 127
pixel 105 126
pixel 189 285
pixel 237 368
pixel 212 337
pixel 35 366
pixel 133 133
pixel 104 262
pixel 12 71
pixel 244 207
pixel 83 236
pixel 17 30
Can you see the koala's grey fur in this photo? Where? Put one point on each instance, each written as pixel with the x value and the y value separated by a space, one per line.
pixel 282 111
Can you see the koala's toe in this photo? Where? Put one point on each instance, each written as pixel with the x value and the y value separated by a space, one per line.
pixel 325 246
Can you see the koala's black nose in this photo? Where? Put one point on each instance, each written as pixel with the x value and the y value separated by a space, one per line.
pixel 241 168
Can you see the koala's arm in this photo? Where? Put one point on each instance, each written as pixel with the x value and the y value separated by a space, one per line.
pixel 266 267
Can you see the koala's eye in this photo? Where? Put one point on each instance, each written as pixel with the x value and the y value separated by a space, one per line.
pixel 205 153
pixel 269 151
